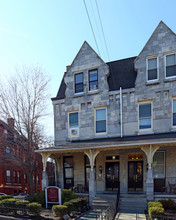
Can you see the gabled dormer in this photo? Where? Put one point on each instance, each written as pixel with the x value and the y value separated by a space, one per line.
pixel 156 63
pixel 87 74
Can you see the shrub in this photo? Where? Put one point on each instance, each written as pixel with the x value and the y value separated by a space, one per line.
pixel 60 210
pixel 9 202
pixel 2 197
pixel 155 204
pixel 67 195
pixel 34 208
pixel 21 204
pixel 156 212
pixel 168 204
pixel 76 204
pixel 69 205
pixel 39 198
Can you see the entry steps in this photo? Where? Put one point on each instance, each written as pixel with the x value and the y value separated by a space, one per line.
pixel 132 203
pixel 104 200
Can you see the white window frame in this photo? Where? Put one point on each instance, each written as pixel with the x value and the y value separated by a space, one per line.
pixel 157 62
pixel 8 176
pixel 91 81
pixel 169 53
pixel 164 175
pixel 74 81
pixel 147 129
pixel 173 99
pixel 68 113
pixel 99 133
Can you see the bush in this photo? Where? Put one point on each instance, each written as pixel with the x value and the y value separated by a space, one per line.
pixel 156 212
pixel 155 204
pixel 39 198
pixel 69 205
pixel 34 208
pixel 9 202
pixel 21 204
pixel 2 197
pixel 168 204
pixel 60 210
pixel 67 195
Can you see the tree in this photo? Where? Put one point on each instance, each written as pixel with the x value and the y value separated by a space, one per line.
pixel 25 98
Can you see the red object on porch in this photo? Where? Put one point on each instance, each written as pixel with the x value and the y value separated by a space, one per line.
pixel 53 195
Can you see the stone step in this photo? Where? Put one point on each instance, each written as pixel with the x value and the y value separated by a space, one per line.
pixel 137 200
pixel 132 195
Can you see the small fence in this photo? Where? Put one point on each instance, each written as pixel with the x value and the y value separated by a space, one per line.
pixel 109 213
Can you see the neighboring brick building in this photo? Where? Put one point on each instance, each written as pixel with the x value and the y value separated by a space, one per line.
pixel 116 122
pixel 14 162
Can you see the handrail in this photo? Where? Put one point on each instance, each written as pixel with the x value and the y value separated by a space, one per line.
pixel 118 197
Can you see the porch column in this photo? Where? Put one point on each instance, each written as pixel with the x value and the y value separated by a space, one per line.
pixel 44 175
pixel 58 171
pixel 92 182
pixel 149 151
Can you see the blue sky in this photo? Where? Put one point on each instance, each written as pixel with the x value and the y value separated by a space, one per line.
pixel 51 32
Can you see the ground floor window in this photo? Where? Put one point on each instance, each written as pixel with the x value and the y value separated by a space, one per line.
pixel 159 164
pixel 68 172
pixel 8 176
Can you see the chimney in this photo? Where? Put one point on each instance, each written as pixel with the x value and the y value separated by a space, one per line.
pixel 67 68
pixel 11 122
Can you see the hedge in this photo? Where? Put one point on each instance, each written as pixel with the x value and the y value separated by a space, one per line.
pixel 34 208
pixel 70 206
pixel 60 210
pixel 168 204
pixel 156 212
pixel 67 195
pixel 155 204
pixel 2 197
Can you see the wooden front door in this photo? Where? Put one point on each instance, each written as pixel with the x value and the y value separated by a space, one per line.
pixel 112 176
pixel 135 176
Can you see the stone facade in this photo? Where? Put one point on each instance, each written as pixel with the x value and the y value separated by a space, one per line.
pixel 122 119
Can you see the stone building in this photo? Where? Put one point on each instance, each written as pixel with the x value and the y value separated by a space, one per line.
pixel 115 122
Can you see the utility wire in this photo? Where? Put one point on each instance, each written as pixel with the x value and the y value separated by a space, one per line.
pixel 102 29
pixel 91 27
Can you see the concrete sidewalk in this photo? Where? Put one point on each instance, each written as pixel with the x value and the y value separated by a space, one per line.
pixel 130 216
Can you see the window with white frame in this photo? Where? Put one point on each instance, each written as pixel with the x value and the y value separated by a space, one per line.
pixel 170 65
pixel 174 112
pixel 145 116
pixel 159 164
pixel 93 80
pixel 79 83
pixel 100 120
pixel 73 124
pixel 152 70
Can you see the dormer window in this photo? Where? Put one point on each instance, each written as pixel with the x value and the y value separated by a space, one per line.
pixel 152 69
pixel 79 83
pixel 93 80
pixel 170 65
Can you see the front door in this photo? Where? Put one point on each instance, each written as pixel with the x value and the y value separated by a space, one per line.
pixel 135 176
pixel 112 176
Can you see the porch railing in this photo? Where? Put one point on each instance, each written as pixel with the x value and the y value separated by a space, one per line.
pixel 165 185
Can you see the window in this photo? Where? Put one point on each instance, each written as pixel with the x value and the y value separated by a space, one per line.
pixel 18 177
pixel 152 71
pixel 145 116
pixel 170 65
pixel 25 179
pixel 37 180
pixel 93 80
pixel 159 164
pixel 79 83
pixel 73 120
pixel 100 120
pixel 8 176
pixel 174 112
pixel 14 176
pixel 7 152
pixel 68 172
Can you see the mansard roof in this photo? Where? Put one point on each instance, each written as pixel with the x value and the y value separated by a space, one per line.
pixel 122 74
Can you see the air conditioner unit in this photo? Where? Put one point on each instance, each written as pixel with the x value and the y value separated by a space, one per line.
pixel 74 131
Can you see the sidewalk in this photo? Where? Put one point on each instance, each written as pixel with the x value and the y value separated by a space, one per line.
pixel 131 216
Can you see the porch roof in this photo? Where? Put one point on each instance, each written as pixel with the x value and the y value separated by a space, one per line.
pixel 113 143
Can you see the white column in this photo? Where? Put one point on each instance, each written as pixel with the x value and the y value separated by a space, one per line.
pixel 44 175
pixel 150 151
pixel 58 171
pixel 92 182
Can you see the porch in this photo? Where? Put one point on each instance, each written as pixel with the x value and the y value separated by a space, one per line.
pixel 97 166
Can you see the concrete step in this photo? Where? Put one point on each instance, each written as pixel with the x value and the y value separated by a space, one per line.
pixel 132 195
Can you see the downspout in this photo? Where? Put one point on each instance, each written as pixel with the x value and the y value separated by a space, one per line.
pixel 121 125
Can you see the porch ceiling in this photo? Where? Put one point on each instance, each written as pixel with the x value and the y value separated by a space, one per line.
pixel 167 139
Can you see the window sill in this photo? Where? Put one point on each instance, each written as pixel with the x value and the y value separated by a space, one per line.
pixel 79 94
pixel 145 132
pixel 173 129
pixel 152 82
pixel 93 92
pixel 170 79
pixel 100 135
